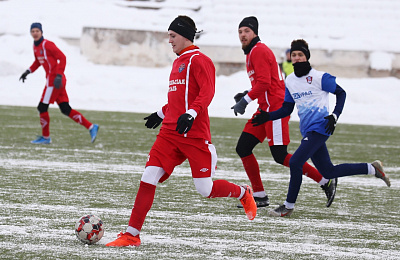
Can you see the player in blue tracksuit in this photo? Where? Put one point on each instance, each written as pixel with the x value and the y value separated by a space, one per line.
pixel 309 89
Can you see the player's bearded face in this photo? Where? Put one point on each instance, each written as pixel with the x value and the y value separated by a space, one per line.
pixel 245 36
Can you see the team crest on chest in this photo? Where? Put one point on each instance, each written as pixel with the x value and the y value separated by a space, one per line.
pixel 182 67
pixel 309 79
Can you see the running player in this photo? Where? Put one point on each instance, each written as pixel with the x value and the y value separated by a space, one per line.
pixel 185 133
pixel 53 61
pixel 309 89
pixel 268 88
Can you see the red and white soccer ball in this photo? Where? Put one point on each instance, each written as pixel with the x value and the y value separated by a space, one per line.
pixel 89 229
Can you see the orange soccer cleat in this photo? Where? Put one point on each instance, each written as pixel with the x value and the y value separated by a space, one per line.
pixel 248 202
pixel 125 239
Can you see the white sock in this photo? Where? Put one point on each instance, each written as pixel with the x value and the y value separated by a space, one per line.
pixel 288 205
pixel 371 169
pixel 242 191
pixel 323 181
pixel 133 231
pixel 259 194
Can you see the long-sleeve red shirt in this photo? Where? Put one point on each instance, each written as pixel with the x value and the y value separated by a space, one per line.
pixel 50 58
pixel 191 87
pixel 267 82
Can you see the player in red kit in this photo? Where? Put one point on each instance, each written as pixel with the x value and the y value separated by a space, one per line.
pixel 53 61
pixel 268 87
pixel 185 133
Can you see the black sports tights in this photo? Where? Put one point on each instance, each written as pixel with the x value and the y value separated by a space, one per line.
pixel 42 107
pixel 65 108
pixel 247 142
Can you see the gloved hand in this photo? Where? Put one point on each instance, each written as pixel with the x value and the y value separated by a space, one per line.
pixel 240 107
pixel 23 76
pixel 239 96
pixel 261 118
pixel 184 123
pixel 153 120
pixel 330 126
pixel 58 81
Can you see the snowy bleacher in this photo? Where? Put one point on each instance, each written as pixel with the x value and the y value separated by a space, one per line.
pixel 354 35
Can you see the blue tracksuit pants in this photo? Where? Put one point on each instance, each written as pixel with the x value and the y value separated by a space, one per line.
pixel 313 145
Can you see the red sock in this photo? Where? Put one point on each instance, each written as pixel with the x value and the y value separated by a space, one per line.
pixel 308 170
pixel 45 123
pixel 143 202
pixel 223 188
pixel 79 118
pixel 253 172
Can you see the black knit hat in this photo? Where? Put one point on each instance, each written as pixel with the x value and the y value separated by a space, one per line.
pixel 300 46
pixel 37 25
pixel 250 22
pixel 181 27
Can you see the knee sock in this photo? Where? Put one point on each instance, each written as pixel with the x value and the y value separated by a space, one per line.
pixel 223 188
pixel 308 171
pixel 45 123
pixel 252 169
pixel 143 202
pixel 79 118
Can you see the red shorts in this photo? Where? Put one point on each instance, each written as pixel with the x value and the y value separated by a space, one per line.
pixel 276 131
pixel 170 150
pixel 51 94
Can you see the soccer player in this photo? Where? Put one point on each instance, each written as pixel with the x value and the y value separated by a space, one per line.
pixel 185 133
pixel 309 89
pixel 268 88
pixel 53 61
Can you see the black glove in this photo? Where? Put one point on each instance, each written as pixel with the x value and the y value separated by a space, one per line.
pixel 330 126
pixel 240 107
pixel 184 123
pixel 23 76
pixel 261 118
pixel 239 96
pixel 58 81
pixel 153 120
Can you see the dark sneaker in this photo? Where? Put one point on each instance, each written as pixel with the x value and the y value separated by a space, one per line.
pixel 260 202
pixel 280 211
pixel 330 190
pixel 379 172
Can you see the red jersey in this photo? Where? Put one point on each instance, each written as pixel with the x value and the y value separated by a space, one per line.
pixel 267 83
pixel 191 86
pixel 51 58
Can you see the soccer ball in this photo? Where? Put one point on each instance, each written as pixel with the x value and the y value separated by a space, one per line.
pixel 89 229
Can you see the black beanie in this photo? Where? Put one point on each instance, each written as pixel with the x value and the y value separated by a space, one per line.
pixel 37 25
pixel 298 46
pixel 183 28
pixel 250 22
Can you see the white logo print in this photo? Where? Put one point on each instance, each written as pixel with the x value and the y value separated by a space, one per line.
pixel 204 170
pixel 43 122
pixel 78 118
pixel 305 139
pixel 181 25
